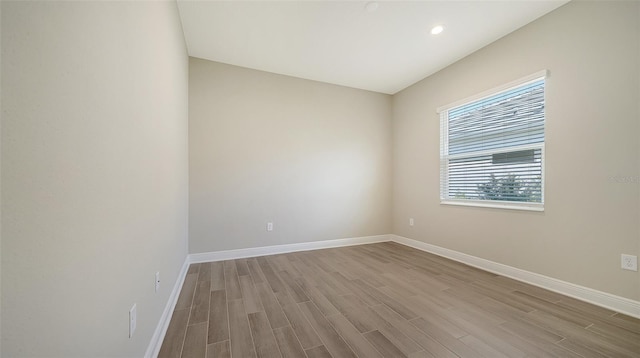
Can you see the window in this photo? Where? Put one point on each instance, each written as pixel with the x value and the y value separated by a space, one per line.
pixel 492 147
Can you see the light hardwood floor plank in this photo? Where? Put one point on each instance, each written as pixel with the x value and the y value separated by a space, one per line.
pixel 219 350
pixel 332 340
pixel 295 291
pixel 174 338
pixel 452 343
pixel 195 341
pixel 200 305
pixel 231 280
pixel 318 352
pixel 355 313
pixel 217 276
pixel 350 334
pixel 317 297
pixel 204 273
pixel 425 341
pixel 422 354
pixel 271 306
pixel 482 347
pixel 274 281
pixel 288 342
pixel 249 295
pixel 255 271
pixel 241 341
pixel 403 310
pixel 218 317
pixel 301 326
pixel 383 345
pixel 263 338
pixel 185 299
pixel 242 267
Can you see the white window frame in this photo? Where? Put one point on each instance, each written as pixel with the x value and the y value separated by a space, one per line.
pixel 444 142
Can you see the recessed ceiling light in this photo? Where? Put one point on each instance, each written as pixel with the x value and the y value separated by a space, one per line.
pixel 371 6
pixel 437 29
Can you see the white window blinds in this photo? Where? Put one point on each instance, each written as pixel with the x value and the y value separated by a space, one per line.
pixel 492 148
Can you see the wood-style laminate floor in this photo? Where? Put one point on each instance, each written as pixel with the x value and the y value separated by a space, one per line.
pixel 382 300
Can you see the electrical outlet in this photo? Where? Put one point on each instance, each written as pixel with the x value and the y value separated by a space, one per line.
pixel 132 320
pixel 157 281
pixel 629 262
pixel 410 221
pixel 269 226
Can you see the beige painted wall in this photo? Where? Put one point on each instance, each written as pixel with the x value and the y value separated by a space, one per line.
pixel 94 174
pixel 592 133
pixel 0 185
pixel 312 158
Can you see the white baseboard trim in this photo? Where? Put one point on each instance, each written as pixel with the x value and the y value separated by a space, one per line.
pixel 161 329
pixel 599 298
pixel 281 249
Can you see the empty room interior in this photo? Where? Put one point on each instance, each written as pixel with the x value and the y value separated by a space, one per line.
pixel 320 179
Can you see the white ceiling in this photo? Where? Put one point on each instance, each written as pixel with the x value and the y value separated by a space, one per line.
pixel 343 43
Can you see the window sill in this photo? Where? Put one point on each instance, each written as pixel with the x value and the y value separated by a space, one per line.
pixel 507 205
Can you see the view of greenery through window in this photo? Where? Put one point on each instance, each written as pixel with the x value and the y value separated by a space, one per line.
pixel 510 188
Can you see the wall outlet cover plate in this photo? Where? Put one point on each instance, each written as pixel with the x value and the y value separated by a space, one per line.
pixel 629 262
